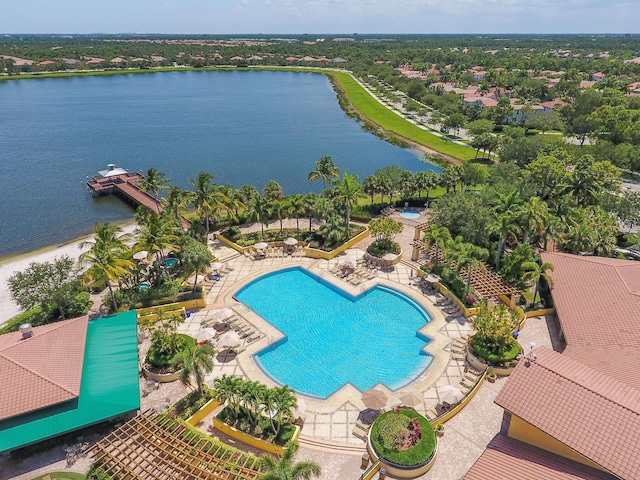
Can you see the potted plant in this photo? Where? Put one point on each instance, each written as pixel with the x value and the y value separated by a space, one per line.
pixel 491 376
pixel 439 429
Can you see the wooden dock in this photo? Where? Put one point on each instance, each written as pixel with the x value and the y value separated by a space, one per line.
pixel 125 184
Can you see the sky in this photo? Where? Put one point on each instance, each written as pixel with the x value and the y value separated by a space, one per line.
pixel 319 16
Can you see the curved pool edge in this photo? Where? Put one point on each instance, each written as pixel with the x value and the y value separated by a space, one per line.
pixel 348 393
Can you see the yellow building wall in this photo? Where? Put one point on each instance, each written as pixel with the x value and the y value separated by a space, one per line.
pixel 525 432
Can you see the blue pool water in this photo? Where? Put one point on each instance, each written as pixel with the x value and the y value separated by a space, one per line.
pixel 333 338
pixel 170 262
pixel 410 214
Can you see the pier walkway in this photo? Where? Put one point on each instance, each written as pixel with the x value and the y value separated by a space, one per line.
pixel 125 184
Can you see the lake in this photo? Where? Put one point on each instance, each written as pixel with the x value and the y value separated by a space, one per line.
pixel 245 127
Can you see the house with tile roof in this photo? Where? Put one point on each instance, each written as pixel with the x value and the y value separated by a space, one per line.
pixel 65 376
pixel 576 414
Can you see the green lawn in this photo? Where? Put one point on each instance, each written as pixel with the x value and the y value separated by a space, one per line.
pixel 62 476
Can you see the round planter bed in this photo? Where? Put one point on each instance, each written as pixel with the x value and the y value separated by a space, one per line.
pixel 409 463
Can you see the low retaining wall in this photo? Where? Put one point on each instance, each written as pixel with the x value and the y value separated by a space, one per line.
pixel 251 440
pixel 478 364
pixel 162 377
pixel 398 471
pixel 206 409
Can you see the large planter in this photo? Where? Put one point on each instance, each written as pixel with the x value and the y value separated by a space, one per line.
pixel 402 471
pixel 162 377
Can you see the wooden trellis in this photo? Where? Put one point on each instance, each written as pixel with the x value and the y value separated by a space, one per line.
pixel 486 283
pixel 153 446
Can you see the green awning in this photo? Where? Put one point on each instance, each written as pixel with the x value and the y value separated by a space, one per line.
pixel 110 386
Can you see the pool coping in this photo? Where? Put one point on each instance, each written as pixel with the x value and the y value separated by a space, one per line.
pixel 347 393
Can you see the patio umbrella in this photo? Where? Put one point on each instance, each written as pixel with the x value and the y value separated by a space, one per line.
pixel 348 259
pixel 141 255
pixel 432 278
pixel 389 257
pixel 261 245
pixel 229 339
pixel 223 314
pixel 215 266
pixel 204 336
pixel 410 398
pixel 374 398
pixel 290 241
pixel 450 394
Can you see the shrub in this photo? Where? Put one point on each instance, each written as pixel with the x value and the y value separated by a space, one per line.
pixel 494 340
pixel 285 435
pixel 421 452
pixel 393 430
pixel 160 357
pixel 470 300
pixel 192 402
pixel 35 317
pixel 458 286
pixel 382 246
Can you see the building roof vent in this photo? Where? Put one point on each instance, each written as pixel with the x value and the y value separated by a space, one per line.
pixel 26 330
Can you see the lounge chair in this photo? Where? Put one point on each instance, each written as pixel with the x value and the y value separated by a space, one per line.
pixel 253 337
pixel 360 433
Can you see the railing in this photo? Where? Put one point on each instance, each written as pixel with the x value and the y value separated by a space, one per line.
pixel 371 471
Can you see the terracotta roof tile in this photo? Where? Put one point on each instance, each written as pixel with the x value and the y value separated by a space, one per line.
pixel 593 414
pixel 597 299
pixel 42 370
pixel 507 458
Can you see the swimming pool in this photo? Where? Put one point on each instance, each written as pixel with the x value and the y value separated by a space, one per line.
pixel 170 262
pixel 411 214
pixel 333 338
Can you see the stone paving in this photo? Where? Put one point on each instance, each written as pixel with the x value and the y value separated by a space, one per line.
pixel 332 420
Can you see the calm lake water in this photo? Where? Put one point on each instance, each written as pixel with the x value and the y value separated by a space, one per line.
pixel 244 127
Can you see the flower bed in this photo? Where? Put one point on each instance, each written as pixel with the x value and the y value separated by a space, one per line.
pixel 412 434
pixel 162 363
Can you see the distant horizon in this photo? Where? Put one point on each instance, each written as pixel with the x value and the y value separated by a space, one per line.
pixel 329 34
pixel 283 17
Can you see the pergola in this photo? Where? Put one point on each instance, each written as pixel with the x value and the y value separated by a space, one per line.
pixel 152 446
pixel 486 282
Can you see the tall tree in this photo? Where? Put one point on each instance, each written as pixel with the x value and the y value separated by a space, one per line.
pixel 108 258
pixel 348 189
pixel 438 237
pixel 196 258
pixel 325 170
pixel 272 191
pixel 260 211
pixel 154 182
pixel 533 217
pixel 533 272
pixel 195 363
pixel 296 208
pixel 426 181
pixel 285 469
pixel 505 228
pixel 471 258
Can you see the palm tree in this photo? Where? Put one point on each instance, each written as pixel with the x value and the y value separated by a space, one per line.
pixel 454 250
pixel 296 207
pixel 348 189
pixel 533 216
pixel 285 469
pixel 230 388
pixel 202 194
pixel 450 178
pixel 154 182
pixel 325 170
pixel 196 258
pixel 175 203
pixel 108 258
pixel 254 395
pixel 470 258
pixel 407 184
pixel 505 228
pixel 260 211
pixel 280 403
pixel 195 362
pixel 156 234
pixel 426 181
pixel 370 185
pixel 279 210
pixel 533 272
pixel 272 191
pixel 438 236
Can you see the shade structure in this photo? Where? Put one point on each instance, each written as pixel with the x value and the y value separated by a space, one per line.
pixel 261 245
pixel 432 278
pixel 374 398
pixel 290 241
pixel 348 259
pixel 204 335
pixel 141 255
pixel 223 314
pixel 215 266
pixel 229 339
pixel 450 394
pixel 410 398
pixel 389 257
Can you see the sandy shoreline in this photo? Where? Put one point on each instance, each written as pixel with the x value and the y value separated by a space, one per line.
pixel 9 265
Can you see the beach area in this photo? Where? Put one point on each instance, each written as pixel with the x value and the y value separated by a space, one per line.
pixel 18 263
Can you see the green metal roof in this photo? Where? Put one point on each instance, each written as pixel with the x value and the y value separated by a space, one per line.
pixel 109 386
